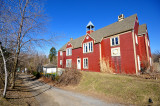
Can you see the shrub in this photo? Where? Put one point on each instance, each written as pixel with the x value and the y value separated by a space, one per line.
pixel 70 76
pixel 145 66
pixel 104 66
pixel 36 74
pixel 50 75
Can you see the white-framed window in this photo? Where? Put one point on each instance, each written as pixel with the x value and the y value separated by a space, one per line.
pixel 115 41
pixel 88 47
pixel 85 63
pixel 148 42
pixel 60 62
pixel 68 51
pixel 139 63
pixel 136 39
pixel 60 53
pixel 68 62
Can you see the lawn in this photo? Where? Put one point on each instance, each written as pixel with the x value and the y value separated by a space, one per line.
pixel 121 88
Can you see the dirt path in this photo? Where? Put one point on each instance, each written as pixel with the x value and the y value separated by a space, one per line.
pixel 47 95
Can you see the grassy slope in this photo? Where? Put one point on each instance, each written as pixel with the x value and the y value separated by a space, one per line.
pixel 121 88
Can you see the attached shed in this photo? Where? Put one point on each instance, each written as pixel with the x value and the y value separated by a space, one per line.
pixel 49 68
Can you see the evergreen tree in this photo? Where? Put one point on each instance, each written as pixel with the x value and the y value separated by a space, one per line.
pixel 52 54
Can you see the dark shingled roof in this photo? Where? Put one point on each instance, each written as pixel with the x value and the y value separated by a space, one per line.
pixel 49 65
pixel 115 28
pixel 142 29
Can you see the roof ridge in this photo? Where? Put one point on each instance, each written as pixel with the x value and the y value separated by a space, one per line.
pixel 114 28
pixel 117 22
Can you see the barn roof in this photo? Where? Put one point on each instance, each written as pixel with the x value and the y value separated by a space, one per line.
pixel 115 28
pixel 142 29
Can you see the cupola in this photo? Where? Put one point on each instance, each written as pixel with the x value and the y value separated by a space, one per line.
pixel 90 28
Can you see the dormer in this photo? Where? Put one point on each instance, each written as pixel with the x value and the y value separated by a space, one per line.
pixel 90 28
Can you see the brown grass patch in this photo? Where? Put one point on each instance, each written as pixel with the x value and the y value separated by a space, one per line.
pixel 104 66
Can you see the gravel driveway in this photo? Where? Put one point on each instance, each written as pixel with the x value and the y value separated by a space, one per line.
pixel 47 95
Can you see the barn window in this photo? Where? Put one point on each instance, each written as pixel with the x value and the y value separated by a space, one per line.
pixel 148 42
pixel 85 63
pixel 136 39
pixel 115 41
pixel 60 62
pixel 60 53
pixel 88 47
pixel 68 62
pixel 68 51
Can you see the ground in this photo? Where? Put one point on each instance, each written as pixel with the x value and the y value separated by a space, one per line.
pixel 94 89
pixel 21 95
pixel 48 95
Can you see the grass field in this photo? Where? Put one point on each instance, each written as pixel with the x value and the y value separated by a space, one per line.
pixel 121 88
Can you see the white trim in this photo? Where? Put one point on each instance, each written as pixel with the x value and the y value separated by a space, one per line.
pixel 115 51
pixel 85 37
pixel 61 62
pixel 114 37
pixel 87 64
pixel 70 63
pixel 100 50
pixel 69 43
pixel 61 53
pixel 146 41
pixel 136 39
pixel 134 49
pixel 69 51
pixel 80 63
pixel 139 63
pixel 87 44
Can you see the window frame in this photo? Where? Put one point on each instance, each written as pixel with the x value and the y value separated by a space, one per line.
pixel 136 39
pixel 61 53
pixel 88 47
pixel 114 42
pixel 60 62
pixel 84 66
pixel 69 51
pixel 70 64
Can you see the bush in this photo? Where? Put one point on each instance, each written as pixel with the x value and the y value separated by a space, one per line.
pixel 70 76
pixel 36 74
pixel 104 66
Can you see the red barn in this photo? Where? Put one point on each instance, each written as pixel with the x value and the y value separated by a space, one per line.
pixel 125 44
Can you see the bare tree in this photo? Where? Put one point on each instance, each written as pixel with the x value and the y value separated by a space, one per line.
pixel 6 73
pixel 21 27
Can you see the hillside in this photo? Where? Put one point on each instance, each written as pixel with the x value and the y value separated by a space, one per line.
pixel 119 88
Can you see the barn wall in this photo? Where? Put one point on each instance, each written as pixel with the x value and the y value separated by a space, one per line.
pixel 124 63
pixel 93 57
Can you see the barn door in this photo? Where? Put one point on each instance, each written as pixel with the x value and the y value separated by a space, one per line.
pixel 78 63
pixel 117 64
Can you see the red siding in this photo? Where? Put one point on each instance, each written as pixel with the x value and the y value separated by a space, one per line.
pixel 93 57
pixel 126 63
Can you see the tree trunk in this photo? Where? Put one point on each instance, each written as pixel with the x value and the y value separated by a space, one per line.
pixel 6 74
pixel 14 71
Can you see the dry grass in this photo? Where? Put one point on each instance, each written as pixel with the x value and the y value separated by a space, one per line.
pixel 19 96
pixel 104 66
pixel 156 67
pixel 121 88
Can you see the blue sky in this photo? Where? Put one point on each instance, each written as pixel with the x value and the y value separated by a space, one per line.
pixel 68 18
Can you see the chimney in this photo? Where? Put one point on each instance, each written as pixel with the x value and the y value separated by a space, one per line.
pixel 120 17
pixel 71 39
